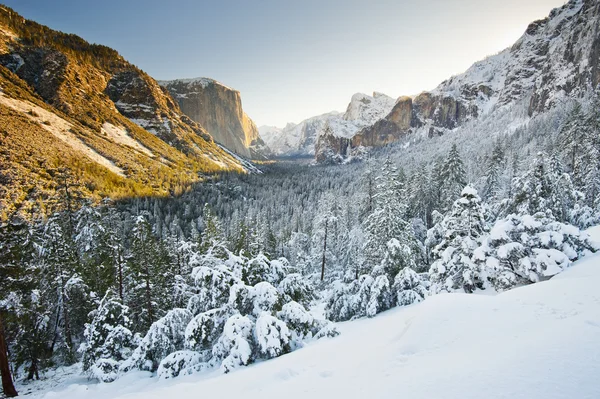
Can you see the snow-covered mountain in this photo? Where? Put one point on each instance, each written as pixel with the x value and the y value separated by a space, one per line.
pixel 301 139
pixel 557 57
pixel 296 139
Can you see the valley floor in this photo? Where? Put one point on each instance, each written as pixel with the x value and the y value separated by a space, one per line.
pixel 538 341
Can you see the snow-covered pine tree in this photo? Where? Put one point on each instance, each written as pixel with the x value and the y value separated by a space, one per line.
pixel 15 281
pixel 328 232
pixel 461 228
pixel 212 233
pixel 590 163
pixel 544 186
pixel 452 178
pixel 60 265
pixel 493 174
pixel 108 339
pixel 150 278
pixel 572 138
pixel 387 222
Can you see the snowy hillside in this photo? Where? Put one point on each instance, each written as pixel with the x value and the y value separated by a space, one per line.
pixel 538 341
pixel 363 110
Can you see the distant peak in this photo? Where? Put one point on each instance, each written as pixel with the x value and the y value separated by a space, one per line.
pixel 377 94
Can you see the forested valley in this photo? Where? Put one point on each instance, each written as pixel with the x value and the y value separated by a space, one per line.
pixel 246 267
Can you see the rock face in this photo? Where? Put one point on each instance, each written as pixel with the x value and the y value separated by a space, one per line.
pixel 556 57
pixel 218 108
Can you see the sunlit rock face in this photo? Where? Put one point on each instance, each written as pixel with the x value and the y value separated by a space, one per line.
pixel 218 109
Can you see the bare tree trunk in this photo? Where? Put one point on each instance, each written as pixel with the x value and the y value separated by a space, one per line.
pixel 149 295
pixel 7 383
pixel 324 251
pixel 65 314
pixel 120 274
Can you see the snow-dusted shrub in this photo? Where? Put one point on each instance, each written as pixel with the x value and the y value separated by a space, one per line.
pixel 341 304
pixel 584 217
pixel 108 339
pixel 265 298
pixel 303 325
pixel 380 296
pixel 179 363
pixel 272 336
pixel 296 288
pixel 203 331
pixel 260 269
pixel 298 319
pixel 165 336
pixel 212 285
pixel 529 248
pixel 241 298
pixel 366 296
pixel 326 330
pixel 409 288
pixel 104 370
pixel 235 347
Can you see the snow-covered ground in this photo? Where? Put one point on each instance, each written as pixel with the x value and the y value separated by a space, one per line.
pixel 538 341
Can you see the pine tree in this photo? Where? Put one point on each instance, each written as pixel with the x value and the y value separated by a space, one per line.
pixel 453 178
pixel 59 254
pixel 150 276
pixel 493 175
pixel 108 339
pixel 418 195
pixel 589 180
pixel 14 256
pixel 571 139
pixel 543 187
pixel 212 233
pixel 387 222
pixel 462 227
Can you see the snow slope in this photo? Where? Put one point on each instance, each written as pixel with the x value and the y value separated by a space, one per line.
pixel 537 341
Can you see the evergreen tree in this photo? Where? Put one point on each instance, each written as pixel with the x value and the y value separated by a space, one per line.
pixel 543 187
pixel 212 233
pixel 387 222
pixel 108 339
pixel 493 175
pixel 150 277
pixel 589 178
pixel 462 228
pixel 572 137
pixel 453 178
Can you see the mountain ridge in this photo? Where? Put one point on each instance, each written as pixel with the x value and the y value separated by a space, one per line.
pixel 110 126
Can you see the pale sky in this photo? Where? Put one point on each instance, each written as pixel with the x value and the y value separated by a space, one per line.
pixel 293 59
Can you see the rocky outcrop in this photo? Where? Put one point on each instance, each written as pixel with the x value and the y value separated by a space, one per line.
pixel 218 109
pixel 332 149
pixel 437 113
